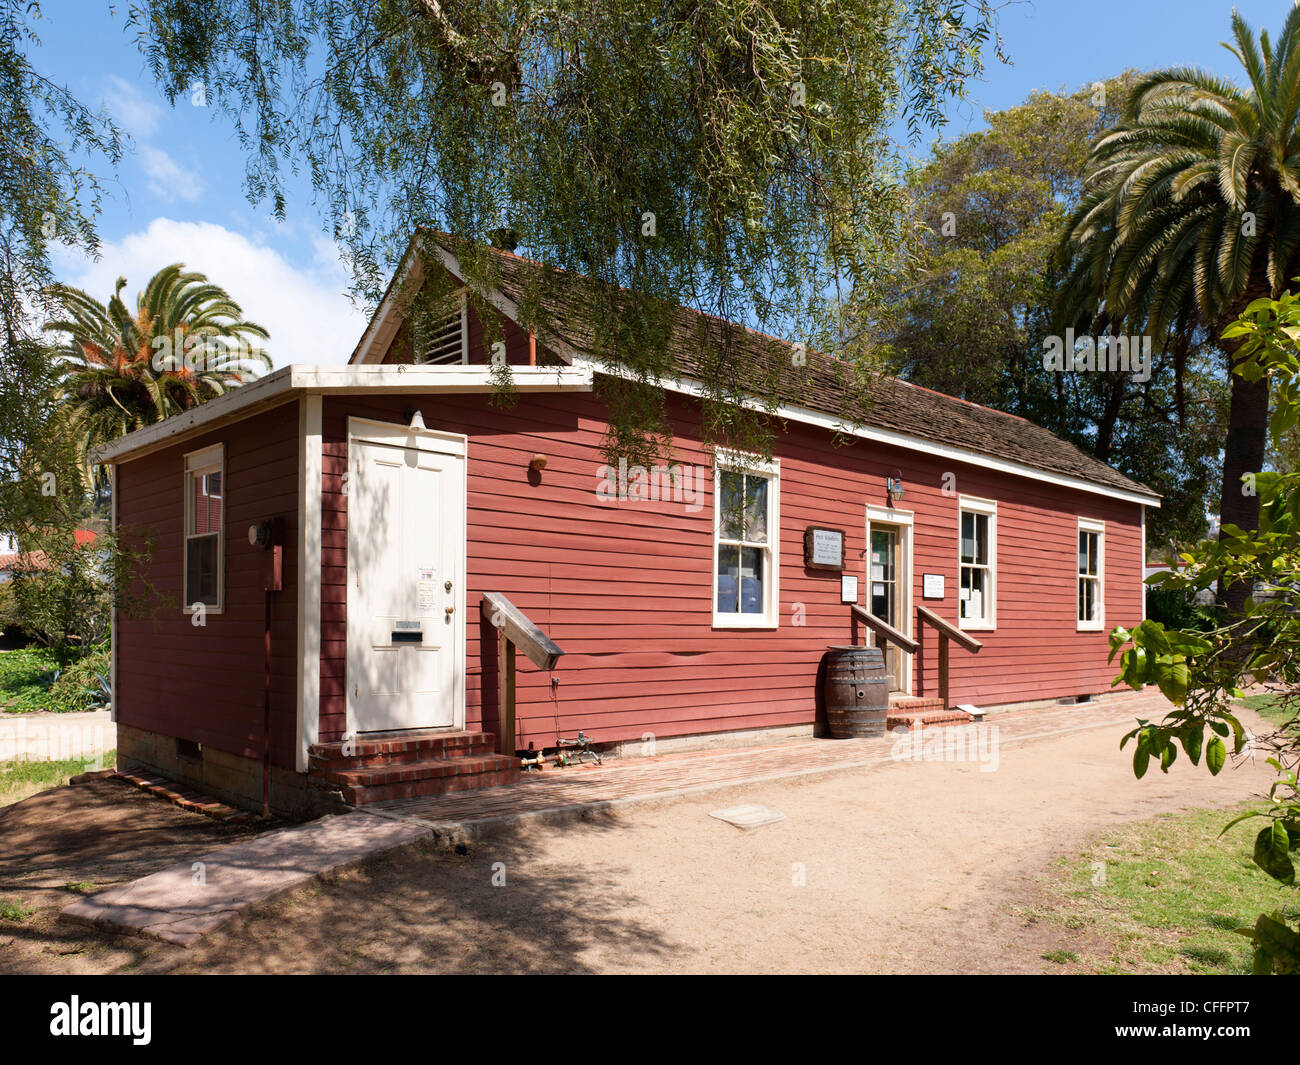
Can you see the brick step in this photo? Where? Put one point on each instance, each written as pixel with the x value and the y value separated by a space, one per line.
pixel 909 703
pixel 908 718
pixel 400 750
pixel 425 769
pixel 423 779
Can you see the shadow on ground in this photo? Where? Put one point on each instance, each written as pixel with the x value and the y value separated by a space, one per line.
pixel 491 909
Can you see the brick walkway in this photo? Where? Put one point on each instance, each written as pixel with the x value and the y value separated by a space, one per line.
pixel 560 794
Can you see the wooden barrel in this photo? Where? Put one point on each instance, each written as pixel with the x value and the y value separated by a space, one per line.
pixel 856 688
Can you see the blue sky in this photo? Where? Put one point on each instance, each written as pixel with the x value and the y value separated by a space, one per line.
pixel 178 195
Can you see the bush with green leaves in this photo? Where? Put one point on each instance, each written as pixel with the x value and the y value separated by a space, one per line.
pixel 83 685
pixel 1202 671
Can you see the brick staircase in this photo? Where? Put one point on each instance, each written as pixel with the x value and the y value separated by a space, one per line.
pixel 409 766
pixel 905 711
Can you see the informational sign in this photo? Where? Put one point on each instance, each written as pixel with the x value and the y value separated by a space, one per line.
pixel 426 590
pixel 823 548
pixel 932 586
pixel 848 589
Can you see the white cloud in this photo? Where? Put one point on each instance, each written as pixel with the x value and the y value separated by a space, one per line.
pixel 307 311
pixel 130 108
pixel 167 178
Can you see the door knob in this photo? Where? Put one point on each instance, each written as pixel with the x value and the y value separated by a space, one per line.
pixel 450 610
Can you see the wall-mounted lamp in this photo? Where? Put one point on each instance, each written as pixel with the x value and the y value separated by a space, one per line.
pixel 537 463
pixel 894 487
pixel 417 421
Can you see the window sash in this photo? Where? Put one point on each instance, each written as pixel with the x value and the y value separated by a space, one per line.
pixel 976 565
pixel 744 529
pixel 203 564
pixel 1088 566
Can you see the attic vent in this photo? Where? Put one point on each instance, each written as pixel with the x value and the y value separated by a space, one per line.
pixel 444 339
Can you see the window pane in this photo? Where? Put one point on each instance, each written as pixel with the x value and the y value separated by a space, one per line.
pixel 730 489
pixel 756 509
pixel 972 594
pixel 728 579
pixel 201 570
pixel 205 517
pixel 1087 599
pixel 1083 552
pixel 968 537
pixel 1094 543
pixel 751 580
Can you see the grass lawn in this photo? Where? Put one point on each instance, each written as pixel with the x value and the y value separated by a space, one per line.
pixel 1270 708
pixel 1163 895
pixel 18 780
pixel 25 678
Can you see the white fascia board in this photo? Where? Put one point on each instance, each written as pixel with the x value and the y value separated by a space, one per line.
pixel 383 326
pixel 283 385
pixel 794 413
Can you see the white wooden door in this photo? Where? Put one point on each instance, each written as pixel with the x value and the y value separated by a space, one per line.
pixel 406 562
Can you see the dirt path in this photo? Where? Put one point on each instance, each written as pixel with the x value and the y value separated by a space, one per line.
pixel 915 866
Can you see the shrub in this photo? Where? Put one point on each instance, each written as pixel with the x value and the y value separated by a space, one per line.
pixel 84 685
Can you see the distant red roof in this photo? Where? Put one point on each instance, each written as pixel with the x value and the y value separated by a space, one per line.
pixel 36 560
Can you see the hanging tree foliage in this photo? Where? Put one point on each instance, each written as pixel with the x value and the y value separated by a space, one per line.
pixel 727 156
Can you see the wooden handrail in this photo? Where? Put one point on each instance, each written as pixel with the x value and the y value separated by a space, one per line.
pixel 520 630
pixel 884 630
pixel 947 631
pixel 514 629
pixel 947 628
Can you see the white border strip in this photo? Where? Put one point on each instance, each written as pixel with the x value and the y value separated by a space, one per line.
pixel 309 575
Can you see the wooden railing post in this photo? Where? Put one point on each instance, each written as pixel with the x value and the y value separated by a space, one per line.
pixel 946 631
pixel 943 669
pixel 514 630
pixel 506 690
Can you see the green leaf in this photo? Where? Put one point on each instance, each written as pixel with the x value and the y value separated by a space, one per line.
pixel 1278 940
pixel 1216 753
pixel 1193 737
pixel 1141 756
pixel 1272 847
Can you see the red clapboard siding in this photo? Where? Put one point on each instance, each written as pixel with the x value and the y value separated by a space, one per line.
pixel 625 588
pixel 205 683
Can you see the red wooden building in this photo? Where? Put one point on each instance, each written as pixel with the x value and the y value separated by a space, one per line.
pixel 399 496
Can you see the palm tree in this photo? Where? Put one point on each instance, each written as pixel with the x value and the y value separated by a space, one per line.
pixel 1191 211
pixel 186 343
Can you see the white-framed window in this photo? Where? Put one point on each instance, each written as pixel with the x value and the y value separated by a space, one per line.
pixel 746 541
pixel 443 339
pixel 1091 563
pixel 205 538
pixel 977 577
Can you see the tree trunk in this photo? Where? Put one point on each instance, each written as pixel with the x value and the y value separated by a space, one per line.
pixel 1243 452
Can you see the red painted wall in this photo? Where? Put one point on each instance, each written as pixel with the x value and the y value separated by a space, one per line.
pixel 205 683
pixel 625 588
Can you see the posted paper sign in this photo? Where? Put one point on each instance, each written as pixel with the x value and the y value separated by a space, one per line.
pixel 932 586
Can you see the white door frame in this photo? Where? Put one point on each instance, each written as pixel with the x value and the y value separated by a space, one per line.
pixel 902 521
pixel 365 430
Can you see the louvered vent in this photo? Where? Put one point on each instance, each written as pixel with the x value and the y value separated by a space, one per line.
pixel 443 339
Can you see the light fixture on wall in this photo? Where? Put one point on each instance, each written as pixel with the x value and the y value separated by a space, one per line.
pixel 894 487
pixel 417 421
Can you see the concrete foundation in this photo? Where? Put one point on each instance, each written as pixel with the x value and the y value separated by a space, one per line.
pixel 232 778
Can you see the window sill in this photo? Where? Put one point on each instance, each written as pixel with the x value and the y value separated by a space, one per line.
pixel 188 611
pixel 977 626
pixel 743 621
pixel 1099 627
